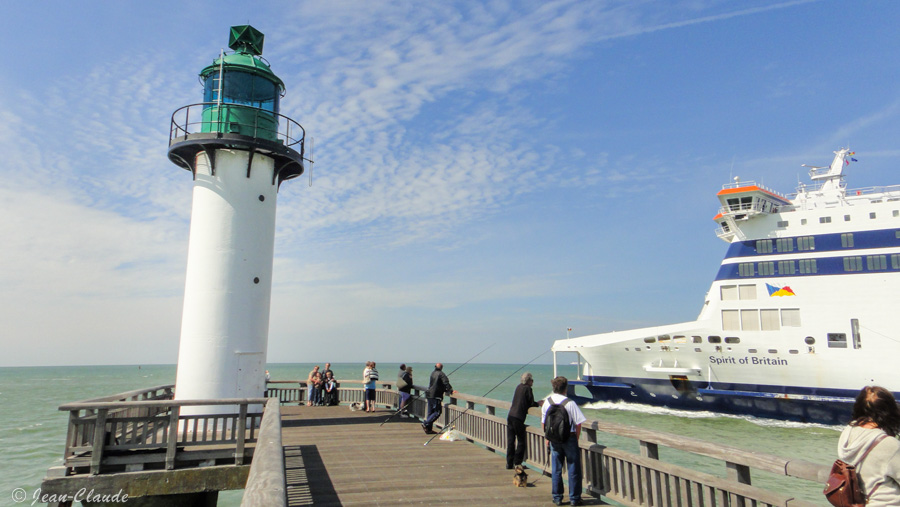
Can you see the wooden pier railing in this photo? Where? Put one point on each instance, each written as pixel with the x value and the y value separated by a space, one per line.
pixel 121 433
pixel 628 478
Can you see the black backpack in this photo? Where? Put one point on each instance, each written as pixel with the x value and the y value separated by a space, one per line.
pixel 557 427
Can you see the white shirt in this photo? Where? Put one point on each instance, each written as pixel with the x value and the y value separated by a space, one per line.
pixel 575 415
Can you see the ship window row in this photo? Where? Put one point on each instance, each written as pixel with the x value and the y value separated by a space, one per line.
pixel 851 264
pixel 760 320
pixel 824 242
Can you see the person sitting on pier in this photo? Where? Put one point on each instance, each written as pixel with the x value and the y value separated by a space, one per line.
pixel 875 417
pixel 437 386
pixel 331 389
pixel 311 386
pixel 404 386
pixel 568 450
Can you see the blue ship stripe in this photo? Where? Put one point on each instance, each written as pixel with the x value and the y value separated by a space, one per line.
pixel 824 266
pixel 883 238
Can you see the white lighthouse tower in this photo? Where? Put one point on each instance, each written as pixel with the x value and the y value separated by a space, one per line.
pixel 239 149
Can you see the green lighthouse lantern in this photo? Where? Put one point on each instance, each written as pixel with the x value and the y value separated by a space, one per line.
pixel 240 91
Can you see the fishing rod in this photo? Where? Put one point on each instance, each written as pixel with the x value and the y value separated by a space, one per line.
pixel 451 373
pixel 450 424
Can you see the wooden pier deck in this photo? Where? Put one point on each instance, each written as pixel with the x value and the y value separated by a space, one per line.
pixel 334 456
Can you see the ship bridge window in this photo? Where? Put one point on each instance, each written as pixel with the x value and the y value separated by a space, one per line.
pixel 697 339
pixel 750 320
pixel 746 269
pixel 752 351
pixel 715 339
pixel 664 338
pixel 732 339
pixel 872 215
pixel 764 246
pixel 895 261
pixel 897 234
pixel 852 264
pixel 766 268
pixel 837 340
pixel 729 292
pixel 730 321
pixel 896 212
pixel 810 340
pixel 824 220
pixel 847 240
pixel 806 243
pixel 769 320
pixel 808 266
pixel 802 221
pixel 782 224
pixel 876 262
pixel 786 267
pixel 790 317
pixel 846 218
pixel 785 244
pixel 650 339
pixel 748 292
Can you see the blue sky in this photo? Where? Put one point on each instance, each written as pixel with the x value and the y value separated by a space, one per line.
pixel 486 172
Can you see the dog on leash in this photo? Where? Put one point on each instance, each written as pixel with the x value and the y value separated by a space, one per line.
pixel 356 406
pixel 520 478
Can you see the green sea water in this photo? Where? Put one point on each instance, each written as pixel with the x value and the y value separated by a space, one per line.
pixel 32 429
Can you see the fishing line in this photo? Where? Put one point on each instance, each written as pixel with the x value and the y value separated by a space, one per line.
pixel 450 424
pixel 451 373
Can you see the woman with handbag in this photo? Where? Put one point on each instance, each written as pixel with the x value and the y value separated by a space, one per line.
pixel 870 443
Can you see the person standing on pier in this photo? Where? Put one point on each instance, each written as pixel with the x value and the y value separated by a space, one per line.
pixel 516 442
pixel 876 417
pixel 311 386
pixel 437 386
pixel 370 375
pixel 566 451
pixel 404 386
pixel 326 370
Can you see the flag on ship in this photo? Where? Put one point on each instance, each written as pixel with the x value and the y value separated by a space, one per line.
pixel 779 291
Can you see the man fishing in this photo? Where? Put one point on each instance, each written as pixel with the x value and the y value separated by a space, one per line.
pixel 437 386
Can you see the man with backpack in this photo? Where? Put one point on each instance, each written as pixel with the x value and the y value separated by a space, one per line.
pixel 561 420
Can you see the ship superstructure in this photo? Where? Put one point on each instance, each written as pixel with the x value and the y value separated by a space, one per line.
pixel 801 315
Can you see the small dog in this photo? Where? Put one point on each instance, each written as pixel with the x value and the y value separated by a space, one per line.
pixel 356 406
pixel 520 479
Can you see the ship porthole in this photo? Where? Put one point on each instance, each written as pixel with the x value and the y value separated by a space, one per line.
pixel 809 340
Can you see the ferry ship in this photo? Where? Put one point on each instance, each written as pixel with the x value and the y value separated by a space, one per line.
pixel 800 316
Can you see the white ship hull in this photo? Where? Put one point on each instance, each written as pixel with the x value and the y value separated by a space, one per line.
pixel 803 312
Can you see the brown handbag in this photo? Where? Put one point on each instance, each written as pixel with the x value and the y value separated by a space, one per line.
pixel 843 488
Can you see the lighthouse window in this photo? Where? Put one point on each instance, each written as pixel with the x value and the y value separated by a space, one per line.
pixel 748 292
pixel 243 88
pixel 837 340
pixel 847 240
pixel 766 268
pixel 824 220
pixel 853 264
pixel 785 244
pixel 729 292
pixel 806 243
pixel 764 246
pixel 876 262
pixel 746 269
pixel 786 267
pixel 750 320
pixel 769 320
pixel 730 321
pixel 790 317
pixel 807 266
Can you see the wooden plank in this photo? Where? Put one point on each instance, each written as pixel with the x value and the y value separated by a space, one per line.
pixel 99 438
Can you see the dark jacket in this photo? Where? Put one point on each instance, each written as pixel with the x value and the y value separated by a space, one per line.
pixel 521 402
pixel 438 385
pixel 404 381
